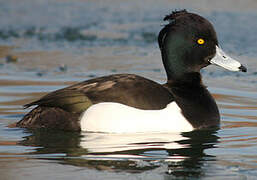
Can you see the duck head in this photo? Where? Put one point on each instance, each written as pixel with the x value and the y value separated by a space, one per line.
pixel 188 43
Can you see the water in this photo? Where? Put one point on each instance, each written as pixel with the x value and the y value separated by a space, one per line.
pixel 58 43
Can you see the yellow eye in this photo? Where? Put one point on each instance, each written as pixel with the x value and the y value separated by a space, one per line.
pixel 200 41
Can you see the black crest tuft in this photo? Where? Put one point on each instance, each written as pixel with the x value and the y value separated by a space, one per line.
pixel 171 17
pixel 172 20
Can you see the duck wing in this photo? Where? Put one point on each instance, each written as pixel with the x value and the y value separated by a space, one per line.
pixel 72 101
pixel 128 89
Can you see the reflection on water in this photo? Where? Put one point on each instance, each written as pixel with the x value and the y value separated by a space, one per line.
pixel 183 153
pixel 101 142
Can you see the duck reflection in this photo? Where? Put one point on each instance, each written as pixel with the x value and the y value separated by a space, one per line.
pixel 179 155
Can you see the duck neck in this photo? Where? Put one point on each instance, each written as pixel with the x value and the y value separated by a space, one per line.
pixel 185 82
pixel 173 59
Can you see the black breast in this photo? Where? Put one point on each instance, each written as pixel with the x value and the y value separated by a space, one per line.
pixel 197 104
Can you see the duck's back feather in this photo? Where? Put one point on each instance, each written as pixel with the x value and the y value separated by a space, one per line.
pixel 128 89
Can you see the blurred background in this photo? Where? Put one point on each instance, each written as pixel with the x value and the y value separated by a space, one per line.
pixel 49 44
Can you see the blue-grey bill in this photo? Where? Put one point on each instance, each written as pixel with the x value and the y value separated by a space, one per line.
pixel 223 60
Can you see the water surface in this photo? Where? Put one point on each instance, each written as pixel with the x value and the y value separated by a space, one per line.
pixel 58 43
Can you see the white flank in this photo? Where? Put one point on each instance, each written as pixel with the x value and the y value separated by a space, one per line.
pixel 119 118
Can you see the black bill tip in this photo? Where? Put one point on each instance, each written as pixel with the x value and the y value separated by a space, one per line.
pixel 242 68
